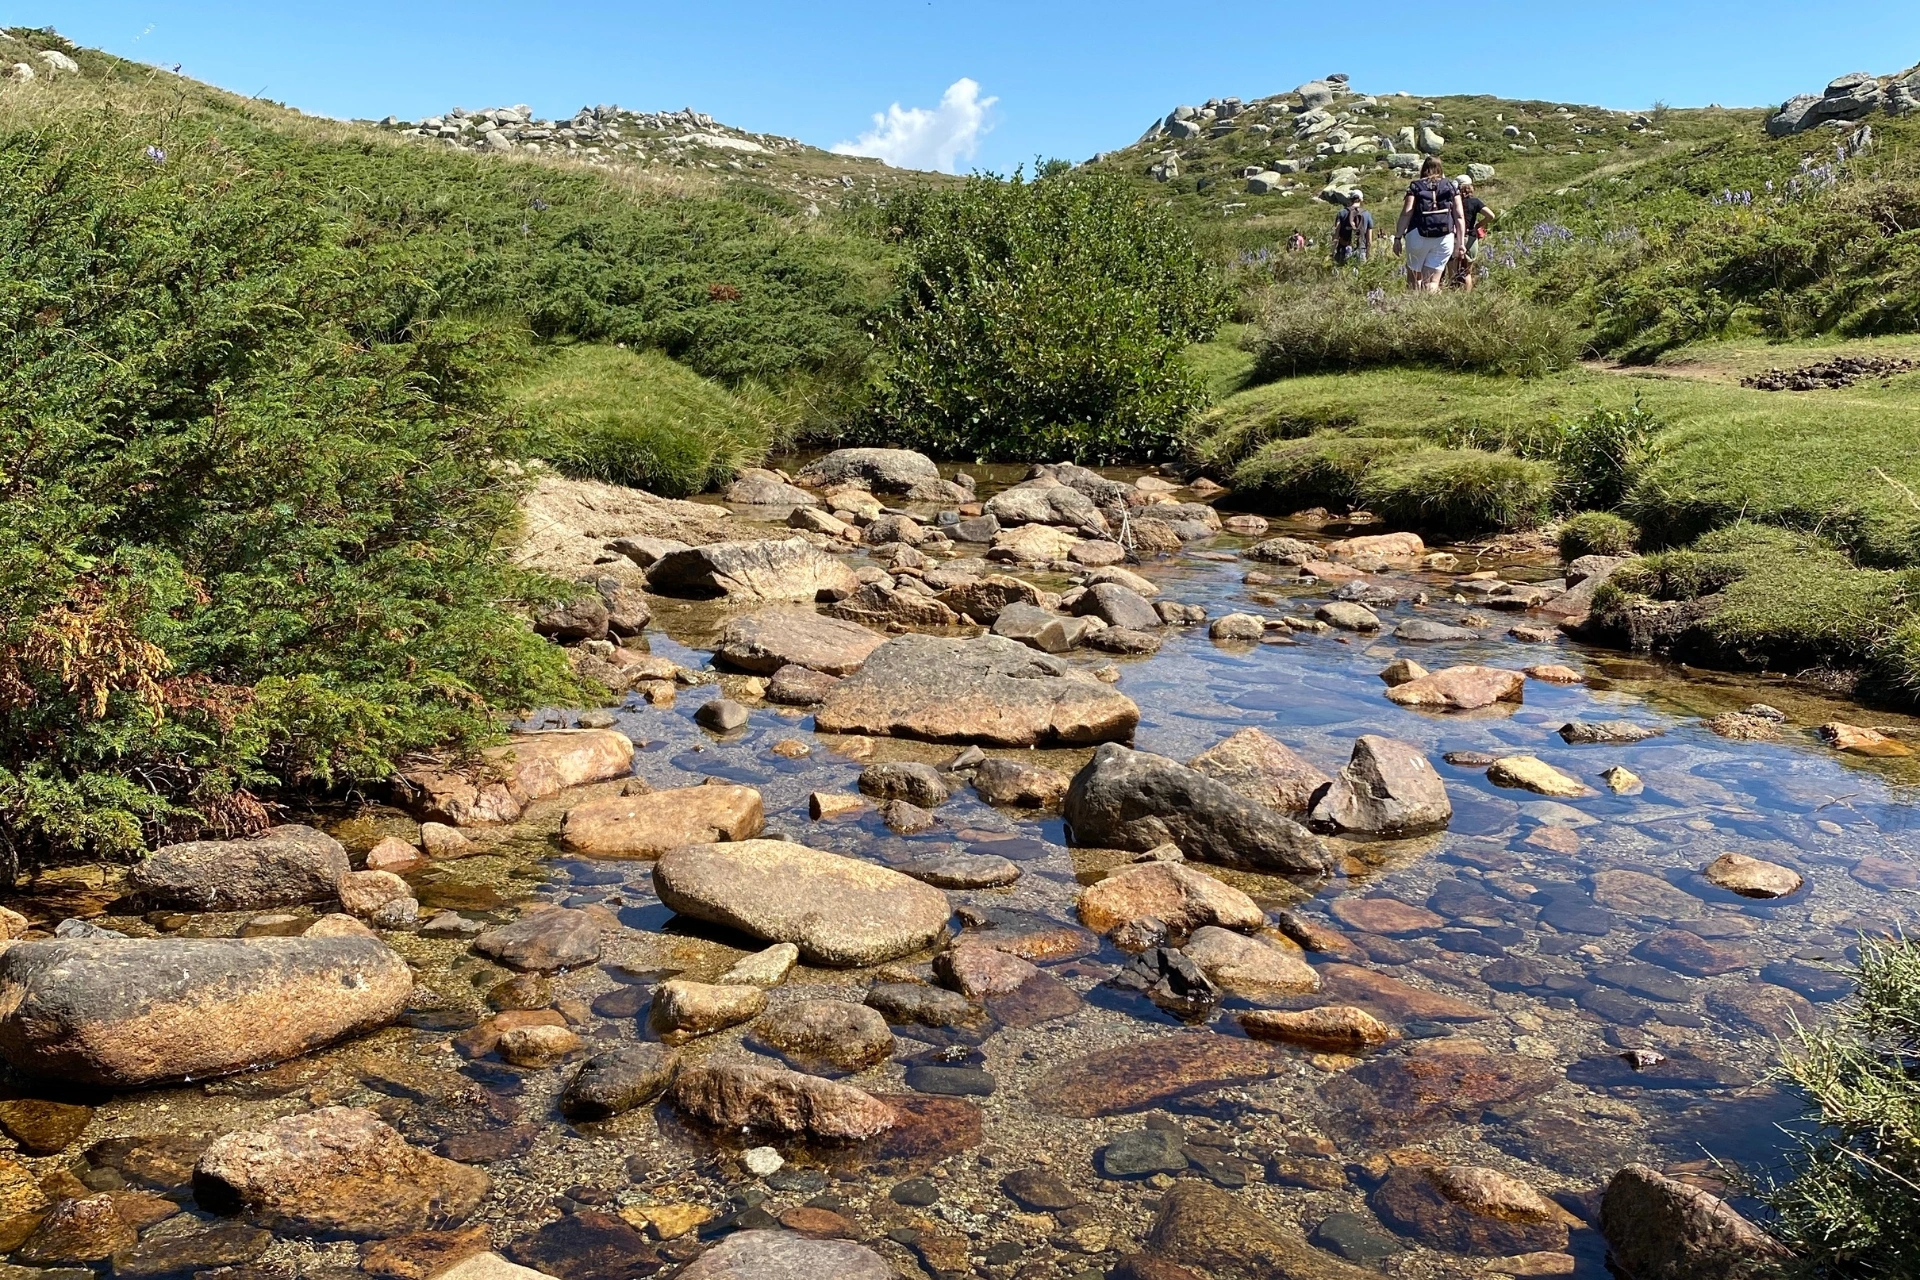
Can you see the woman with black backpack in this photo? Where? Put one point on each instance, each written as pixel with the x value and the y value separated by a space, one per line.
pixel 1431 223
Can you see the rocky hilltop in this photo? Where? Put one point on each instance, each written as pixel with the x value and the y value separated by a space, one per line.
pixel 615 137
pixel 1848 98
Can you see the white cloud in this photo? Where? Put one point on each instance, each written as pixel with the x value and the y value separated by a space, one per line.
pixel 916 138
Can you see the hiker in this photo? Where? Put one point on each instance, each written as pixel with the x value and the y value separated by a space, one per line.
pixel 1467 254
pixel 1296 244
pixel 1431 223
pixel 1352 232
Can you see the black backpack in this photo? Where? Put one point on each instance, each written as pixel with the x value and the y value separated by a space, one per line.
pixel 1343 227
pixel 1433 206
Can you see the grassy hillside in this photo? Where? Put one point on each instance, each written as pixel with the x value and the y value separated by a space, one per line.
pixel 1560 147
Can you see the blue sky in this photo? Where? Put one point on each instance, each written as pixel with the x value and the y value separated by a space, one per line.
pixel 1049 79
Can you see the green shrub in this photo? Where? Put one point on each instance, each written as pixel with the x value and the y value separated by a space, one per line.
pixel 1597 533
pixel 251 537
pixel 640 418
pixel 1334 325
pixel 1603 454
pixel 1041 320
pixel 1852 1208
pixel 1325 469
pixel 1459 492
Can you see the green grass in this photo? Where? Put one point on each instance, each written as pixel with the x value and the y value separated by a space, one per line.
pixel 1459 492
pixel 1333 325
pixel 1597 533
pixel 1851 1211
pixel 640 418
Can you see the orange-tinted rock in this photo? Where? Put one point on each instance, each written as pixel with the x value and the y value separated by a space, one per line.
pixel 1333 1028
pixel 1460 689
pixel 1134 1077
pixel 646 826
pixel 1383 915
pixel 1861 741
pixel 1397 999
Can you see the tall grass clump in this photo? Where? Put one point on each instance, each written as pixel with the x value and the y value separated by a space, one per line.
pixel 1040 320
pixel 251 529
pixel 1459 492
pixel 1334 325
pixel 1852 1208
pixel 1325 469
pixel 1603 454
pixel 640 418
pixel 1597 533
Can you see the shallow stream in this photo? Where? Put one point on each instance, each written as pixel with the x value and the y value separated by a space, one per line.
pixel 1558 967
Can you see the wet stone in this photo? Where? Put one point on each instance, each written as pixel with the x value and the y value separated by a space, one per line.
pixel 1139 1153
pixel 1463 1209
pixel 1039 1190
pixel 1815 982
pixel 544 940
pixel 1689 953
pixel 1649 981
pixel 1409 1094
pixel 1151 1073
pixel 825 1036
pixel 42 1127
pixel 588 1245
pixel 1762 1007
pixel 963 871
pixel 1355 1238
pixel 224 1245
pixel 618 1080
pixel 957 1082
pixel 912 1003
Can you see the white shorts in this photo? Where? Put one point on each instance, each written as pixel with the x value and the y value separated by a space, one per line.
pixel 1428 254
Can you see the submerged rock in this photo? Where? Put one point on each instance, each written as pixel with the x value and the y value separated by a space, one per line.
pixel 786 1255
pixel 1470 1210
pixel 335 1171
pixel 1661 1229
pixel 283 867
pixel 1126 799
pixel 819 1035
pixel 1201 1226
pixel 131 1012
pixel 619 1080
pixel 1388 788
pixel 837 910
pixel 543 940
pixel 989 690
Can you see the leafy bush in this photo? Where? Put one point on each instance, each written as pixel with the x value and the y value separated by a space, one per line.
pixel 1041 320
pixel 1603 454
pixel 1852 1210
pixel 1597 533
pixel 642 419
pixel 1323 469
pixel 1459 492
pixel 1333 324
pixel 251 534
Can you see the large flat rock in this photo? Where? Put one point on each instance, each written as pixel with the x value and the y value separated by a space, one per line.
pixel 987 689
pixel 837 910
pixel 649 825
pixel 786 1255
pixel 764 642
pixel 137 1011
pixel 782 569
pixel 1149 1073
pixel 282 867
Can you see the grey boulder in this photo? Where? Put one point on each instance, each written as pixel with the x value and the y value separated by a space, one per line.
pixel 1388 788
pixel 283 867
pixel 1125 799
pixel 1117 606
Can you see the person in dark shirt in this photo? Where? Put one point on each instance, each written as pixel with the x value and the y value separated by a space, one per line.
pixel 1478 216
pixel 1353 232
